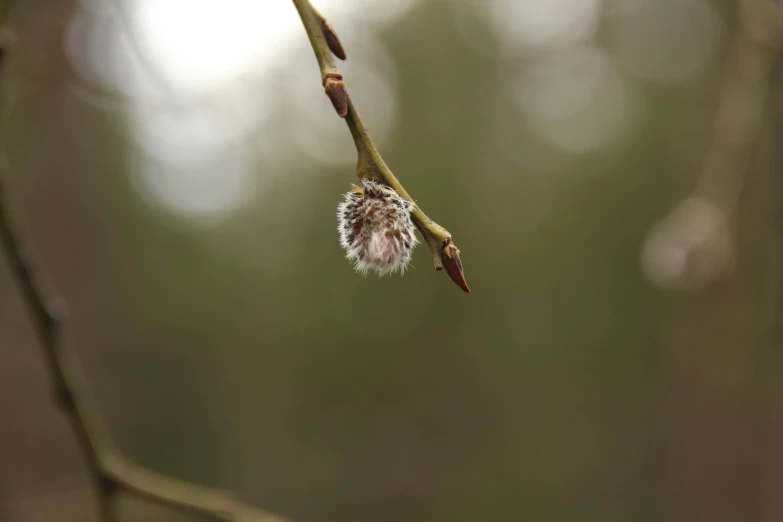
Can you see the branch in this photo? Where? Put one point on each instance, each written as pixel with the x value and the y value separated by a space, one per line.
pixel 693 244
pixel 111 472
pixel 326 45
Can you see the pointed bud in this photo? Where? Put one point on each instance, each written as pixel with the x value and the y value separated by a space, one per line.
pixel 376 229
pixel 453 265
pixel 335 90
pixel 332 40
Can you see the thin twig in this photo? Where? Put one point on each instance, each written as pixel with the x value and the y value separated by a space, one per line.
pixel 111 472
pixel 370 164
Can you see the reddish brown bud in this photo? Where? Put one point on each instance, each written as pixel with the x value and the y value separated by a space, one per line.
pixel 453 266
pixel 335 90
pixel 332 40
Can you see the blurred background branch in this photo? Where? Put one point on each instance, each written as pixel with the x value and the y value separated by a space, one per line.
pixel 694 244
pixel 112 473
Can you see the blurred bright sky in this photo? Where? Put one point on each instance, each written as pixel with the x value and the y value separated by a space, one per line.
pixel 200 79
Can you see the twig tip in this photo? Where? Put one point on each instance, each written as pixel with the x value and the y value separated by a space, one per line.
pixel 453 265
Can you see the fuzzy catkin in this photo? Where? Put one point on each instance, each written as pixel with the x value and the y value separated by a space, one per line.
pixel 376 229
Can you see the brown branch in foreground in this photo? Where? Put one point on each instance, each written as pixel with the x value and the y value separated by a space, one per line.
pixel 324 41
pixel 111 472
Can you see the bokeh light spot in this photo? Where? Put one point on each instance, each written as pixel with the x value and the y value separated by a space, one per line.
pixel 666 40
pixel 575 98
pixel 537 23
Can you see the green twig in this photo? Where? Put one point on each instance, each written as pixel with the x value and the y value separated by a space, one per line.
pixel 370 163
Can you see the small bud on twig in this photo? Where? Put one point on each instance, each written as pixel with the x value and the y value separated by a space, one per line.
pixel 333 41
pixel 453 265
pixel 335 90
